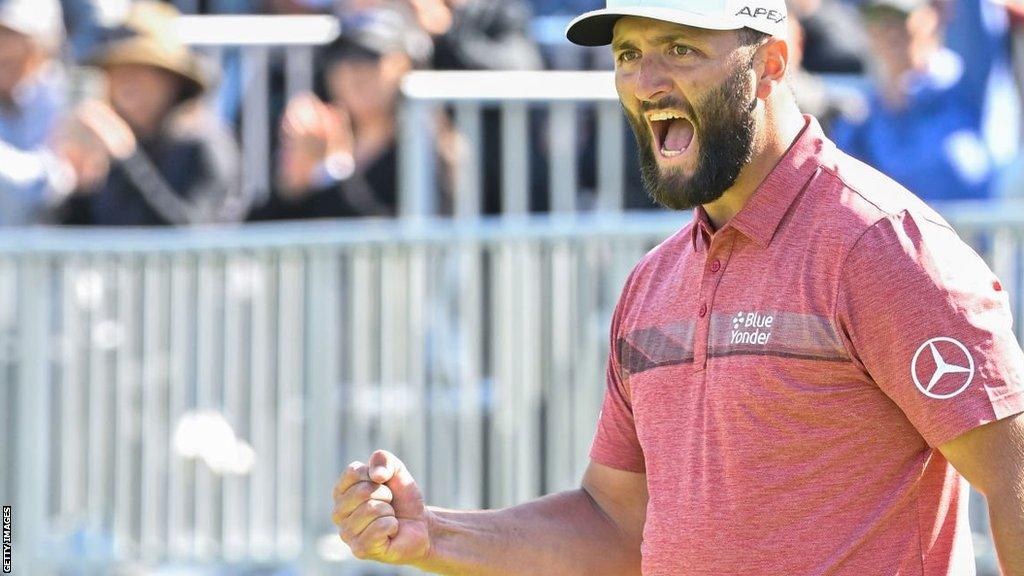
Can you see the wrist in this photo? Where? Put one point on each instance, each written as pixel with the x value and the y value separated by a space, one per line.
pixel 432 560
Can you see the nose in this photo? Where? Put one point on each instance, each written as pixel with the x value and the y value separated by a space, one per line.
pixel 652 83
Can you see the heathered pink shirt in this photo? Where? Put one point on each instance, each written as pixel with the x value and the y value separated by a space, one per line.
pixel 785 381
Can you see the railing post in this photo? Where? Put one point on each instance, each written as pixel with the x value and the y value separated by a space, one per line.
pixel 33 430
pixel 416 160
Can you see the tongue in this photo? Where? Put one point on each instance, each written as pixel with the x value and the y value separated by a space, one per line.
pixel 678 136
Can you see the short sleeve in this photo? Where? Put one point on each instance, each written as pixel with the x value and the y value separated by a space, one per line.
pixel 930 323
pixel 615 442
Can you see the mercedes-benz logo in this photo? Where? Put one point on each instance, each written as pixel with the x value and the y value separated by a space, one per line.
pixel 954 368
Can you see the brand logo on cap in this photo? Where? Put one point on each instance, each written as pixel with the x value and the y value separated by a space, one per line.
pixel 770 15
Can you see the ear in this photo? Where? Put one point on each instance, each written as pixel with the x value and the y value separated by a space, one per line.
pixel 774 60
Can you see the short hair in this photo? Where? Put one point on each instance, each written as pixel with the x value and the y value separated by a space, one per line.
pixel 751 37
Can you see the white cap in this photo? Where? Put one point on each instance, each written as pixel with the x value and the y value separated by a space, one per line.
pixel 768 16
pixel 41 20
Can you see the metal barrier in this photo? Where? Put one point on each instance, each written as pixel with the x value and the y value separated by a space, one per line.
pixel 190 396
pixel 260 41
pixel 562 94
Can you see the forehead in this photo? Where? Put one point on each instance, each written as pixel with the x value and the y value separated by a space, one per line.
pixel 639 29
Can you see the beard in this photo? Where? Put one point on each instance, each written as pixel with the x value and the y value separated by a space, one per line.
pixel 724 122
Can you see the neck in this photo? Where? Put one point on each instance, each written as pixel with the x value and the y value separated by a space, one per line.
pixel 782 125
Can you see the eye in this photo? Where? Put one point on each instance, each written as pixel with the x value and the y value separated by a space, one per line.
pixel 627 56
pixel 680 50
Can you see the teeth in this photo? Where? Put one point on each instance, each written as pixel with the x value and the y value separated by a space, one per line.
pixel 670 153
pixel 657 116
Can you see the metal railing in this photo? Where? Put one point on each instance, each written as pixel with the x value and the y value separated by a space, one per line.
pixel 258 42
pixel 459 348
pixel 190 396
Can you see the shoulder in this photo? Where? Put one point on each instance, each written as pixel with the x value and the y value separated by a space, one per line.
pixel 891 237
pixel 859 198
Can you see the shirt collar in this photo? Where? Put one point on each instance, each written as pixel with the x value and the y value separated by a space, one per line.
pixel 762 214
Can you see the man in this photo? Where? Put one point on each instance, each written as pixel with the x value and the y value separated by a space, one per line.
pixel 146 155
pixel 925 123
pixel 32 90
pixel 797 378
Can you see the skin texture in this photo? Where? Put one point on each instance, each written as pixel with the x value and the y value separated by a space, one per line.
pixel 597 529
pixel 19 57
pixel 991 458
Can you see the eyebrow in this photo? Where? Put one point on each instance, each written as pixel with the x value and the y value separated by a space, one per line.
pixel 618 45
pixel 658 41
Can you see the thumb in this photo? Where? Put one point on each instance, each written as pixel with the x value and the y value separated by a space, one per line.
pixel 384 466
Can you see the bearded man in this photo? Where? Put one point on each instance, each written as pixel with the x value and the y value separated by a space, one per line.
pixel 800 380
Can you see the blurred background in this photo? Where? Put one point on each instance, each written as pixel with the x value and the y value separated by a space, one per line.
pixel 244 242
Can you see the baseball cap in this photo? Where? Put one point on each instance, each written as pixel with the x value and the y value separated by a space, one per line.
pixel 380 31
pixel 40 20
pixel 595 28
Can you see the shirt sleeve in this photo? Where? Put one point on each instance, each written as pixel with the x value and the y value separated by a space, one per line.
pixel 616 444
pixel 930 323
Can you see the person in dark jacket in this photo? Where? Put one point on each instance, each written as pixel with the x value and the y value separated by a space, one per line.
pixel 149 154
pixel 338 158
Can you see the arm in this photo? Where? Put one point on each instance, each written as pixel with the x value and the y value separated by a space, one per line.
pixel 593 530
pixel 991 458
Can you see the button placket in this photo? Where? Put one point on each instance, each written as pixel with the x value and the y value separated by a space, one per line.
pixel 717 255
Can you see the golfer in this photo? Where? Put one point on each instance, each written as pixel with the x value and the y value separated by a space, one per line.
pixel 800 379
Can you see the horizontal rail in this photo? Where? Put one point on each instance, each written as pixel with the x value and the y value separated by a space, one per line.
pixel 246 30
pixel 966 216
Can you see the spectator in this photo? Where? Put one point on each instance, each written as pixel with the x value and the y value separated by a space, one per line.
pixel 149 155
pixel 834 41
pixel 32 92
pixel 488 35
pixel 813 95
pixel 339 159
pixel 479 34
pixel 923 125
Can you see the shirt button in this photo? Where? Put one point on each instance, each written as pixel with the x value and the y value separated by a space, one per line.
pixel 716 266
pixel 703 310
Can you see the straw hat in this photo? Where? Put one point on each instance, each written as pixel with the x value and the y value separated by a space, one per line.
pixel 149 37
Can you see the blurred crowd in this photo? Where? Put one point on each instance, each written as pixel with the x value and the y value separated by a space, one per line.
pixel 107 118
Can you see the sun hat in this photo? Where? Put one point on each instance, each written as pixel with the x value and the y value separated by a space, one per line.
pixel 40 20
pixel 595 28
pixel 149 37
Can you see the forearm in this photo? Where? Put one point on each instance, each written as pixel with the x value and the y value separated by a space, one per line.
pixel 1006 515
pixel 565 534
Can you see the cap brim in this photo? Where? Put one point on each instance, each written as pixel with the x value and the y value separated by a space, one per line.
pixel 595 28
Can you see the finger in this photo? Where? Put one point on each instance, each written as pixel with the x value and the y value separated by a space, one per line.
pixel 354 472
pixel 375 539
pixel 364 515
pixel 384 466
pixel 356 495
pixel 305 114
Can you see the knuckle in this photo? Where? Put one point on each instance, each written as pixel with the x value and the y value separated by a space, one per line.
pixel 361 550
pixel 346 533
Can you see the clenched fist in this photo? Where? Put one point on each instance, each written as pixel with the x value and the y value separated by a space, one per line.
pixel 379 511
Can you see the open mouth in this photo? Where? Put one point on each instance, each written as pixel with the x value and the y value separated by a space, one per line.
pixel 673 133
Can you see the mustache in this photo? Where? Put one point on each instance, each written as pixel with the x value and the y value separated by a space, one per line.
pixel 668 103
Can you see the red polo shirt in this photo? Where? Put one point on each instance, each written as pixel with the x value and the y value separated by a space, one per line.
pixel 784 382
